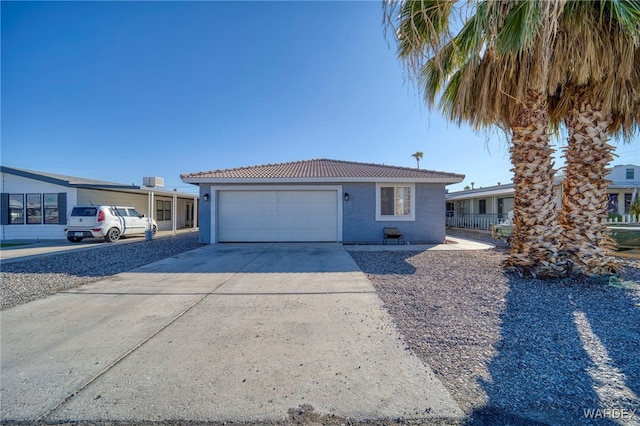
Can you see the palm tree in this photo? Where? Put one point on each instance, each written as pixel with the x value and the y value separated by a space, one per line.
pixel 418 156
pixel 500 69
pixel 488 84
pixel 597 96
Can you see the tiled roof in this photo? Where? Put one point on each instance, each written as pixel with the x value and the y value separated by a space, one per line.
pixel 321 169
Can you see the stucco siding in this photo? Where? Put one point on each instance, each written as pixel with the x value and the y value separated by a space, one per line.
pixel 361 226
pixel 206 214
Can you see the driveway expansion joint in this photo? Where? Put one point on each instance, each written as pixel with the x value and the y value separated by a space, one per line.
pixel 118 360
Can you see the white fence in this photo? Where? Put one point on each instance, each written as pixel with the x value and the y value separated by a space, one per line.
pixel 484 223
pixel 473 222
pixel 627 218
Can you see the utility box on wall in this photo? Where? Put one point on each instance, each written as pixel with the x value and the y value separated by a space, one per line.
pixel 153 182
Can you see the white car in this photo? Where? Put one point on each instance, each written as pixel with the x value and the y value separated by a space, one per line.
pixel 108 222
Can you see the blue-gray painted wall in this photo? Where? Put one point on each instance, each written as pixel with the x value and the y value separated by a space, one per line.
pixel 359 215
pixel 204 215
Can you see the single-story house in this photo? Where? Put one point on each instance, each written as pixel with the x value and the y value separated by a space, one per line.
pixel 36 204
pixel 479 206
pixel 321 200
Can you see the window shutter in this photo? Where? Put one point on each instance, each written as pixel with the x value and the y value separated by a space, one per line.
pixel 62 208
pixel 4 208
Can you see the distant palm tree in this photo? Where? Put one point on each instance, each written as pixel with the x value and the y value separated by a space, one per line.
pixel 418 156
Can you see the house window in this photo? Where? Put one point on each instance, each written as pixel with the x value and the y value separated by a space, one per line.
pixel 51 209
pixel 450 209
pixel 16 209
pixel 395 202
pixel 482 206
pixel 630 174
pixel 34 209
pixel 163 210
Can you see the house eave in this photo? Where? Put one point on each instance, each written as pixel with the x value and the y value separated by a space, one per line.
pixel 256 181
pixel 465 195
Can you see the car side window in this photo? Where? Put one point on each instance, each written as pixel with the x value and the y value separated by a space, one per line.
pixel 122 212
pixel 134 212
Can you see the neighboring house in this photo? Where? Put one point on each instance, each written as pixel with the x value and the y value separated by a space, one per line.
pixel 321 200
pixel 36 204
pixel 480 206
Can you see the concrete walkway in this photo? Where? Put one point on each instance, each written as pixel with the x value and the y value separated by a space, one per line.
pixel 233 332
pixel 451 244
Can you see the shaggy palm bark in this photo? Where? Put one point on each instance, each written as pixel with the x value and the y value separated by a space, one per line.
pixel 535 243
pixel 584 197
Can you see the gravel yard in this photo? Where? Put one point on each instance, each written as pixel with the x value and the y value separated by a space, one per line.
pixel 40 277
pixel 514 350
pixel 510 350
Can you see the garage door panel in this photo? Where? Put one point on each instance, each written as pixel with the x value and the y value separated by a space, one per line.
pixel 277 215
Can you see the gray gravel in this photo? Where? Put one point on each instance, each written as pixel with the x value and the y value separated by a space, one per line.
pixel 36 278
pixel 513 350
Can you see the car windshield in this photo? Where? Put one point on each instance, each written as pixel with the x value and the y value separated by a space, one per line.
pixel 84 211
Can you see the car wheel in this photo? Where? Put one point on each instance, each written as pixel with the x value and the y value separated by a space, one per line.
pixel 74 239
pixel 155 228
pixel 112 236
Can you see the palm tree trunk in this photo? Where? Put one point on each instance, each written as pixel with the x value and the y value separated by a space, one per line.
pixel 535 243
pixel 584 198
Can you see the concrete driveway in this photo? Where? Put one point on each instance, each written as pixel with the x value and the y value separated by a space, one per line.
pixel 233 332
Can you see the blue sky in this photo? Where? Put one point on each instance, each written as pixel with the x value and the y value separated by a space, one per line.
pixel 121 90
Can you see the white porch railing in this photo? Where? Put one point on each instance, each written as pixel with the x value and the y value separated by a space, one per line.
pixel 627 218
pixel 484 223
pixel 473 222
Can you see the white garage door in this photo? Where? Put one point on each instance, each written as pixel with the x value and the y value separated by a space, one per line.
pixel 285 215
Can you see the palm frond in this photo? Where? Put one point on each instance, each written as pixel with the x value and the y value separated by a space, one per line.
pixel 421 27
pixel 519 28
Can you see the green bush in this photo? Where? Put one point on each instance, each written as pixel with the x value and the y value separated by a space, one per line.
pixel 634 208
pixel 614 217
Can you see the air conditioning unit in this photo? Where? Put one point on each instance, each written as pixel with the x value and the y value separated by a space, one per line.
pixel 153 182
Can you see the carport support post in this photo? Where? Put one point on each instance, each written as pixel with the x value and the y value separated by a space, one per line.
pixel 194 216
pixel 148 234
pixel 174 213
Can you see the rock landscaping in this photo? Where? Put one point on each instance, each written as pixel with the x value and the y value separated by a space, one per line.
pixel 514 350
pixel 37 278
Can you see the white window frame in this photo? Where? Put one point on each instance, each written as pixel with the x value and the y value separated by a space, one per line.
pixel 630 174
pixel 395 218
